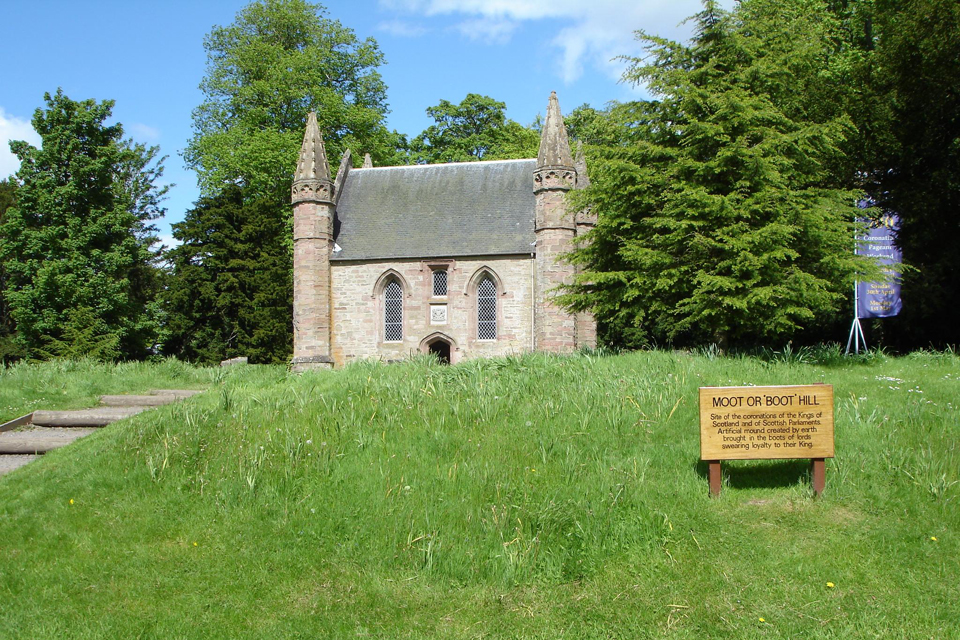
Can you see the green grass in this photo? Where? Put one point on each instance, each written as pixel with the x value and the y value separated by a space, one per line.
pixel 524 497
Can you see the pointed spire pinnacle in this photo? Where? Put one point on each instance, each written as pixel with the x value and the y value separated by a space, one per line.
pixel 554 147
pixel 312 180
pixel 554 163
pixel 313 156
pixel 367 161
pixel 580 164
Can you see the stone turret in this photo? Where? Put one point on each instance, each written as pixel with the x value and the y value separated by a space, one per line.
pixel 554 327
pixel 312 197
pixel 586 220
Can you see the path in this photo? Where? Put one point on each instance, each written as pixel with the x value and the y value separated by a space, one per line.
pixel 24 439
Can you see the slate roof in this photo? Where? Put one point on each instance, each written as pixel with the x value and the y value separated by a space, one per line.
pixel 436 211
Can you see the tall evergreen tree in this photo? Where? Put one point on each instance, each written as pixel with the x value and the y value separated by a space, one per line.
pixel 230 288
pixel 9 350
pixel 918 65
pixel 76 247
pixel 619 124
pixel 725 222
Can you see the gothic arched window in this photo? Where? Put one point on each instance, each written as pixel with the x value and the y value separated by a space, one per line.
pixel 487 309
pixel 439 283
pixel 392 312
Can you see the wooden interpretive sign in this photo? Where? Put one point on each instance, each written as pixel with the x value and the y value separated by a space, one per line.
pixel 764 423
pixel 760 423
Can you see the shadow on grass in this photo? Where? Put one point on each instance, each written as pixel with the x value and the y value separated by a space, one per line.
pixel 760 474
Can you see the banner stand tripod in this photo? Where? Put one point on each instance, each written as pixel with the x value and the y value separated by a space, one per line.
pixel 856 330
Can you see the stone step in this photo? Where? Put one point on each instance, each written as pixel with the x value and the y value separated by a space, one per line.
pixel 38 440
pixel 98 417
pixel 138 401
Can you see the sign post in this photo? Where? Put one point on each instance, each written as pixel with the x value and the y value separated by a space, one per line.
pixel 856 329
pixel 876 299
pixel 766 423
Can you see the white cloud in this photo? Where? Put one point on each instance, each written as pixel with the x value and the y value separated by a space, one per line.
pixel 516 9
pixel 143 132
pixel 168 241
pixel 13 128
pixel 402 28
pixel 594 33
pixel 489 30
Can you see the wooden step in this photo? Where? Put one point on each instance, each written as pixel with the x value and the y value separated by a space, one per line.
pixel 16 423
pixel 38 440
pixel 98 417
pixel 180 393
pixel 22 439
pixel 138 401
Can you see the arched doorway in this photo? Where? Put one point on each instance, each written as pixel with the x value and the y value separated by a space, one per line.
pixel 442 346
pixel 441 349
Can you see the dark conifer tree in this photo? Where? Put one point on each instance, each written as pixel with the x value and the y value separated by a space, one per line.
pixel 230 285
pixel 724 219
pixel 918 62
pixel 9 350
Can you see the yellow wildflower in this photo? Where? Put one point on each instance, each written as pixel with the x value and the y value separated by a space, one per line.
pixel 934 538
pixel 71 500
pixel 830 585
pixel 762 620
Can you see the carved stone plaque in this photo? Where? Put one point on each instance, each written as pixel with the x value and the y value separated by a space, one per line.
pixel 438 314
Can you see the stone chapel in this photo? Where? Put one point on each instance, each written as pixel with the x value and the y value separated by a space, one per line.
pixel 461 260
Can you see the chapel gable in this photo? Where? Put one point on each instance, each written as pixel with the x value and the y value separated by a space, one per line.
pixel 458 259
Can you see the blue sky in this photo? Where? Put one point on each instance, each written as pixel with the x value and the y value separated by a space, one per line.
pixel 149 58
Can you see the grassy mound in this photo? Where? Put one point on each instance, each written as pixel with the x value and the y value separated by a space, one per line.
pixel 529 497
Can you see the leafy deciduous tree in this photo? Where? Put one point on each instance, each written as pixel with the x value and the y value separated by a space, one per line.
pixel 279 60
pixel 475 129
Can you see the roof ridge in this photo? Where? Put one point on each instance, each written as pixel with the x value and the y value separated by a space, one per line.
pixel 446 164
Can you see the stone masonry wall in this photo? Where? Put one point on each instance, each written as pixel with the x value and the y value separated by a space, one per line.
pixel 357 289
pixel 586 323
pixel 555 327
pixel 311 281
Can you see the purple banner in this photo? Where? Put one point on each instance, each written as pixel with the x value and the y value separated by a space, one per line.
pixel 880 299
